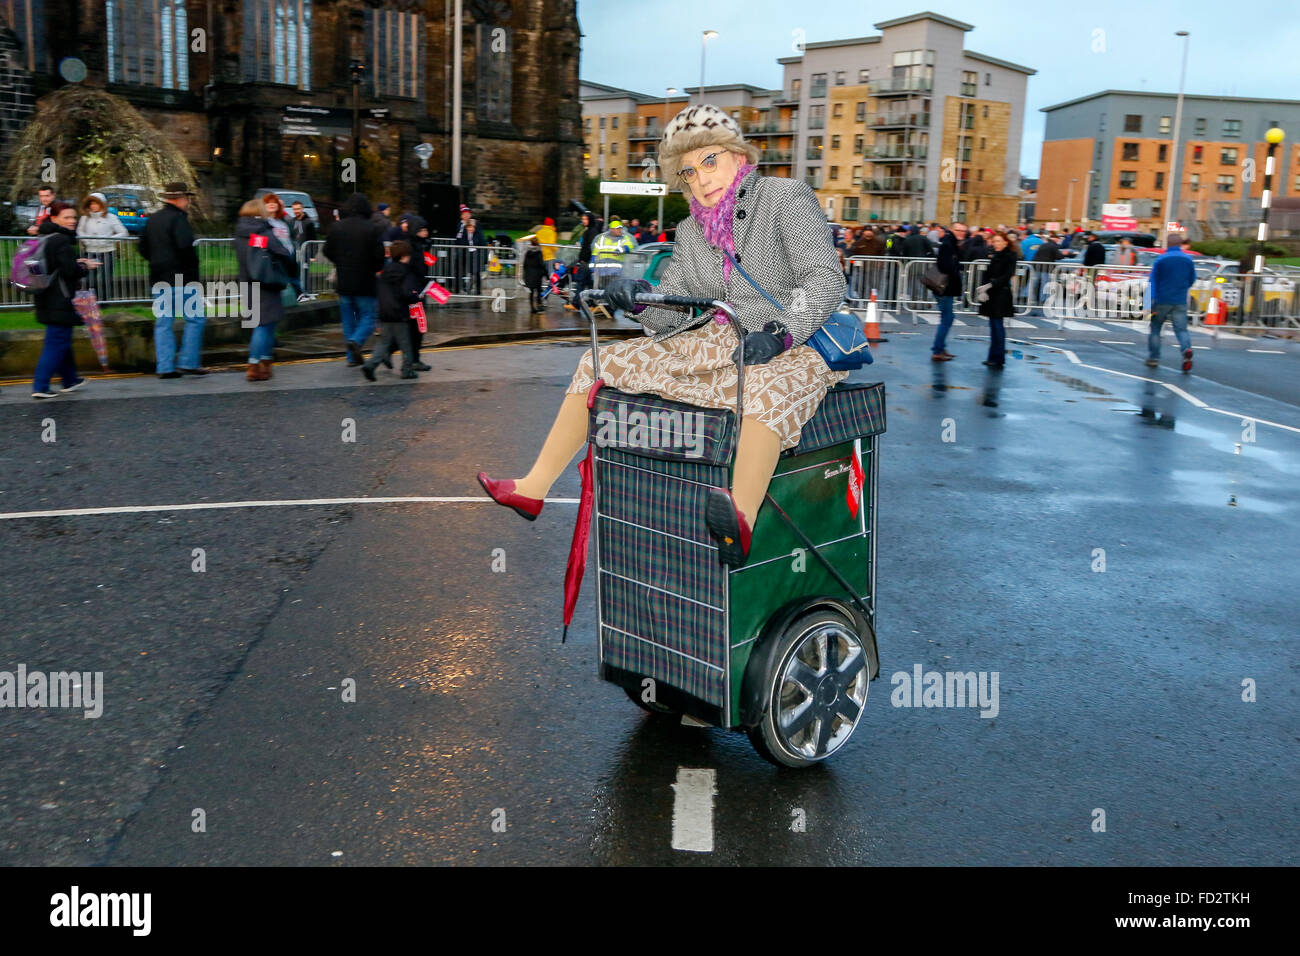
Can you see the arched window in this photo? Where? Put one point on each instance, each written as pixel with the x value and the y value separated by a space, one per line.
pixel 277 42
pixel 395 50
pixel 27 21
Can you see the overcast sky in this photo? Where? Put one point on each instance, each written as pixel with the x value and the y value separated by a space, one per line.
pixel 1242 49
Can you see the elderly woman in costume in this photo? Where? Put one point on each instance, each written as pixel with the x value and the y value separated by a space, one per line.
pixel 774 228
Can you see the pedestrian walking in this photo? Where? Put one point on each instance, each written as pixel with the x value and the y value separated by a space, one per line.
pixel 417 235
pixel 353 246
pixel 53 304
pixel 1172 276
pixel 278 218
pixel 399 289
pixel 610 250
pixel 99 231
pixel 948 262
pixel 167 244
pixel 974 248
pixel 45 200
pixel 301 231
pixel 1126 255
pixel 995 297
pixel 1094 253
pixel 534 273
pixel 1046 255
pixel 1029 245
pixel 582 268
pixel 380 217
pixel 256 230
pixel 547 237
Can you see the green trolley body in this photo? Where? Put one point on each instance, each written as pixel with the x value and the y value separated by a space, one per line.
pixel 682 633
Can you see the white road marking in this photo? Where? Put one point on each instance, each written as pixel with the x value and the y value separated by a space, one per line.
pixel 1081 326
pixel 1268 351
pixel 294 503
pixel 1173 388
pixel 693 810
pixel 1116 342
pixel 1019 324
pixel 1046 338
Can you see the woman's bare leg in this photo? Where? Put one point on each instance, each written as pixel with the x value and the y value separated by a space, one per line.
pixel 568 434
pixel 756 459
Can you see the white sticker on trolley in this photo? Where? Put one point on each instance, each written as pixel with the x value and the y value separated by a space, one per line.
pixel 693 810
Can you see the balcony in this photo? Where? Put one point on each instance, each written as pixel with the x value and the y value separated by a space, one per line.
pixel 639 159
pixel 817 122
pixel 787 98
pixel 898 120
pixel 779 156
pixel 644 132
pixel 770 129
pixel 893 184
pixel 895 153
pixel 899 87
pixel 813 153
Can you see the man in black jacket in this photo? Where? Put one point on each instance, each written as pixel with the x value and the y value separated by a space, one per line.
pixel 949 263
pixel 354 246
pixel 1045 256
pixel 1095 253
pixel 916 246
pixel 167 243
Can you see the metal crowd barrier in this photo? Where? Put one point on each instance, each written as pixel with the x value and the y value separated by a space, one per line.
pixel 475 272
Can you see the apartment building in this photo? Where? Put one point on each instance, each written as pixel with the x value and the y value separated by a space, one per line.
pixel 621 128
pixel 908 125
pixel 1114 146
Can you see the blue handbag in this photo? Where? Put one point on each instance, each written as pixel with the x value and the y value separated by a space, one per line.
pixel 840 341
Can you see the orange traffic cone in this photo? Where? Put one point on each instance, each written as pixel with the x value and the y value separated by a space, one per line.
pixel 871 324
pixel 1215 314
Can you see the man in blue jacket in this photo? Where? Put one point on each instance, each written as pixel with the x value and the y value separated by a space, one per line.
pixel 1172 276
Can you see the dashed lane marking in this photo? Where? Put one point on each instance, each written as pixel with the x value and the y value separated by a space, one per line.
pixel 1268 351
pixel 291 503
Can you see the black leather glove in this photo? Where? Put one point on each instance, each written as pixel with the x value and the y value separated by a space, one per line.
pixel 761 347
pixel 620 294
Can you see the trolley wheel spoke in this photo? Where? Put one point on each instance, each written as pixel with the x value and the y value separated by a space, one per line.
pixel 796 719
pixel 848 674
pixel 830 646
pixel 824 725
pixel 803 675
pixel 846 707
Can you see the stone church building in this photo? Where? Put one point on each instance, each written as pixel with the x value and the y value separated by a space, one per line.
pixel 259 93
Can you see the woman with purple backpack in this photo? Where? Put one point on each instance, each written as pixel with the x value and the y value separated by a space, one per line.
pixel 54 308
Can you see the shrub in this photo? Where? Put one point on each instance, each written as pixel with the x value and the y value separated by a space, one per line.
pixel 1235 248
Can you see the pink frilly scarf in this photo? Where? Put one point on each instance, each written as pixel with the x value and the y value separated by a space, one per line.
pixel 716 222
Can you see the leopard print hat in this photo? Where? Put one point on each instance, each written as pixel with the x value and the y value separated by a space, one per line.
pixel 696 127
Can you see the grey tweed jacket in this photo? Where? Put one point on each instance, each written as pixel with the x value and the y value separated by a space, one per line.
pixel 782 240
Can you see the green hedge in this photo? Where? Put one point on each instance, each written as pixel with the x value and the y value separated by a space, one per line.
pixel 1235 248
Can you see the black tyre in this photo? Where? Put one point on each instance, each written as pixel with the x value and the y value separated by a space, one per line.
pixel 814 695
pixel 653 707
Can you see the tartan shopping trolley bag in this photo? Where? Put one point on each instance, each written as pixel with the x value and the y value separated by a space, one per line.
pixel 783 647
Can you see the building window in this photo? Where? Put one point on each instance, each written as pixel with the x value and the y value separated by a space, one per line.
pixel 277 43
pixel 850 211
pixel 817 117
pixel 986 112
pixel 1232 129
pixel 586 123
pixel 988 79
pixel 839 77
pixel 1160 180
pixel 1166 123
pixel 979 175
pixel 969 82
pixel 1200 126
pixel 602 122
pixel 982 142
pixel 601 149
pixel 1162 153
pixel 837 111
pixel 835 172
pixel 613 149
pixel 1132 123
pixel 1194 180
pixel 613 122
pixel 1198 154
pixel 857 175
pixel 813 177
pixel 1101 123
pixel 912 70
pixel 1156 207
pixel 864 76
pixel 835 141
pixel 1228 156
pixel 1128 179
pixel 860 113
pixel 795 86
pixel 1223 184
pixel 1130 152
pixel 1297 182
pixel 147 41
pixel 857 144
pixel 27 20
pixel 818 85
pixel 396 44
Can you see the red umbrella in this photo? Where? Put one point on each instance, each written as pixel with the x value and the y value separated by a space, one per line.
pixel 87 307
pixel 577 565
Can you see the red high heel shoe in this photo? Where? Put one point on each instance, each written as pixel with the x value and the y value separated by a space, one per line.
pixel 728 527
pixel 503 493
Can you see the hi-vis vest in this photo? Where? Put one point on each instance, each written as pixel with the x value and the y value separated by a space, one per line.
pixel 609 248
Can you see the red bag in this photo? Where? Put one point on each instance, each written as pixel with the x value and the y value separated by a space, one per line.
pixel 417 312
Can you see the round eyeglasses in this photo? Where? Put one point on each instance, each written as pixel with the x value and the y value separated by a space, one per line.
pixel 709 163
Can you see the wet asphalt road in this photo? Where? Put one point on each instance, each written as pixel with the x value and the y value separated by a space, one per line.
pixel 1119 690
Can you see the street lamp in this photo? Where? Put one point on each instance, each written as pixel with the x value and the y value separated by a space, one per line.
pixel 1069 202
pixel 671 91
pixel 1087 187
pixel 356 68
pixel 704 45
pixel 1173 152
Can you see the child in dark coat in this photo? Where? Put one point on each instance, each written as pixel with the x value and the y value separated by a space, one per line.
pixel 399 289
pixel 534 274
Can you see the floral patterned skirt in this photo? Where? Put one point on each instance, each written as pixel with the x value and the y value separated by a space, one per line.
pixel 695 367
